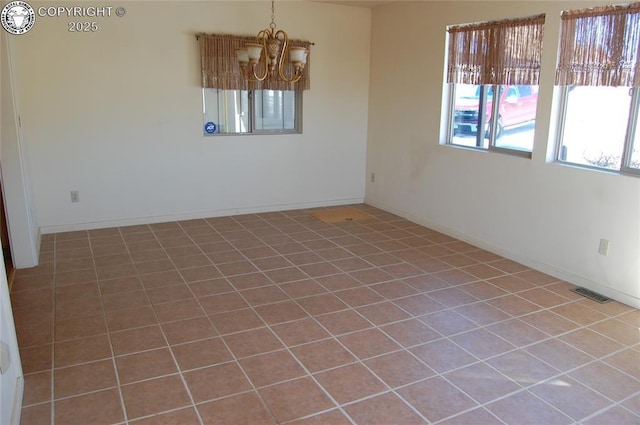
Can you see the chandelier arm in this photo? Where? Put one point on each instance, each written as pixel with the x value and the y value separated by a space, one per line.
pixel 285 49
pixel 271 49
pixel 263 56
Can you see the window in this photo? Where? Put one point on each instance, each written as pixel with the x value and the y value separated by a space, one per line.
pixel 599 78
pixel 596 136
pixel 251 111
pixel 493 71
pixel 233 105
pixel 514 128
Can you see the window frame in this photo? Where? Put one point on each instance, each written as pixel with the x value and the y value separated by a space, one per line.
pixel 252 118
pixel 633 126
pixel 632 130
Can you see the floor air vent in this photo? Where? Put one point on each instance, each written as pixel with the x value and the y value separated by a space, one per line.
pixel 591 295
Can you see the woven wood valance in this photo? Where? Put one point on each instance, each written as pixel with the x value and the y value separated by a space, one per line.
pixel 600 47
pixel 220 68
pixel 497 52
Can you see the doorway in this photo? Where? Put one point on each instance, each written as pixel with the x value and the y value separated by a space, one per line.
pixel 4 237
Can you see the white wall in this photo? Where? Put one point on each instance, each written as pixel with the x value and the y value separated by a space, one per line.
pixel 11 379
pixel 117 115
pixel 543 214
pixel 23 235
pixel 11 382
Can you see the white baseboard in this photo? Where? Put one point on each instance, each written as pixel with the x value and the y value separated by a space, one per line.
pixel 68 227
pixel 16 410
pixel 514 256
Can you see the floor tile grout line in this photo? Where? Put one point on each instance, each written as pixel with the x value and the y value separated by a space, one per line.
pixel 113 356
pixel 461 413
pixel 409 296
pixel 466 331
pixel 312 375
pixel 179 370
pixel 607 317
pixel 447 372
pixel 287 348
pixel 359 361
pixel 589 363
pixel 53 333
pixel 54 339
pixel 524 347
pixel 235 360
pixel 95 391
pixel 617 404
pixel 482 360
pixel 424 272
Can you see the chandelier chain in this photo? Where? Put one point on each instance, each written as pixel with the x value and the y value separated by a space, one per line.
pixel 272 25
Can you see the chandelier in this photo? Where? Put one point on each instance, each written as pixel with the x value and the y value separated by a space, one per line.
pixel 270 50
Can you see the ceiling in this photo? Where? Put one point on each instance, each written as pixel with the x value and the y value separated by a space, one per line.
pixel 359 3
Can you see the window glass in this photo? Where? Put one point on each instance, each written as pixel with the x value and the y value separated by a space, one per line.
pixel 595 126
pixel 516 116
pixel 250 111
pixel 275 110
pixel 467 105
pixel 634 161
pixel 227 109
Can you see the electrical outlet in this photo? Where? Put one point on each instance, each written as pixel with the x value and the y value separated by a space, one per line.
pixel 603 249
pixel 75 196
pixel 373 177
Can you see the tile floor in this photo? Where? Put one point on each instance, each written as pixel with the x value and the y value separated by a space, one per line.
pixel 279 318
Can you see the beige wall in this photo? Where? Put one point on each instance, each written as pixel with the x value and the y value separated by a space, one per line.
pixel 543 214
pixel 117 115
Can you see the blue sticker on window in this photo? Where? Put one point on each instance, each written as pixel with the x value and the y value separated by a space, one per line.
pixel 210 127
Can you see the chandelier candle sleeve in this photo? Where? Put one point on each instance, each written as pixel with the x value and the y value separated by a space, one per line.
pixel 298 56
pixel 254 51
pixel 243 56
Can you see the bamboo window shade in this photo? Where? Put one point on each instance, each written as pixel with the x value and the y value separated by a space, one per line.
pixel 220 68
pixel 600 47
pixel 496 52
